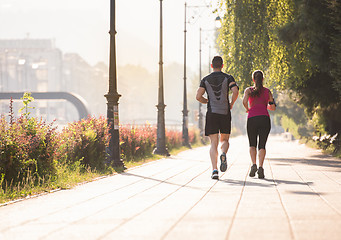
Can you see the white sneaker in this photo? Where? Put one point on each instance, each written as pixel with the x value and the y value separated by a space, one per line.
pixel 215 174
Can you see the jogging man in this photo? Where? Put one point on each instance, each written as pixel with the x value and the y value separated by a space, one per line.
pixel 218 116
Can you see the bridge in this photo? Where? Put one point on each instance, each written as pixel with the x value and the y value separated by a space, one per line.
pixel 73 98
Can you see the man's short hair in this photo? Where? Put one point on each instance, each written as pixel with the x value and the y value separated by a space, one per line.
pixel 217 62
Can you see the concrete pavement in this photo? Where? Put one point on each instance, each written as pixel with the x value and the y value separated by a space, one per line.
pixel 174 198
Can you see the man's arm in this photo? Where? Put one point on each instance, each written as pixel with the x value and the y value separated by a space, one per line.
pixel 200 97
pixel 235 92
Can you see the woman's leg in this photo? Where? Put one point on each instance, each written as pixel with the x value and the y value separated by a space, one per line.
pixel 263 137
pixel 261 156
pixel 252 135
pixel 253 154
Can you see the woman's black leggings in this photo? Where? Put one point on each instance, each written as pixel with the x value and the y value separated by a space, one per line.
pixel 258 126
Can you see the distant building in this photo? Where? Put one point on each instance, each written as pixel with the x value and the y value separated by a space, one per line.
pixel 36 65
pixel 30 65
pixel 88 81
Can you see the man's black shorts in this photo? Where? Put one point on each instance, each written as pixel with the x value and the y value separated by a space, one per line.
pixel 217 123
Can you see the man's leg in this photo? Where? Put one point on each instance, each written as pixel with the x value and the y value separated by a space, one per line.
pixel 224 139
pixel 225 130
pixel 214 149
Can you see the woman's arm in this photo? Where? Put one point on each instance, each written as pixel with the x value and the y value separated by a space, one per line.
pixel 246 99
pixel 271 104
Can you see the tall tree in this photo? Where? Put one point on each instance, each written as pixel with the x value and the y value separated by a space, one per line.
pixel 296 43
pixel 312 78
pixel 335 19
pixel 249 41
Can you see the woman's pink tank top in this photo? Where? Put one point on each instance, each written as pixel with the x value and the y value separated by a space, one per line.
pixel 258 105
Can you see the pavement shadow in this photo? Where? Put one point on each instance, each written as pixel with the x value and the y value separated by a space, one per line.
pixel 323 156
pixel 266 182
pixel 159 180
pixel 247 183
pixel 321 162
pixel 288 182
pixel 307 193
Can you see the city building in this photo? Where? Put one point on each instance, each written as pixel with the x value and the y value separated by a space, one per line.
pixel 37 65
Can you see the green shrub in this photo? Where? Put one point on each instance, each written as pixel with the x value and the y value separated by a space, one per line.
pixel 84 140
pixel 26 149
pixel 137 142
pixel 174 139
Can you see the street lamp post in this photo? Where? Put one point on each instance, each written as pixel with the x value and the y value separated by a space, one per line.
pixel 161 130
pixel 113 151
pixel 185 138
pixel 200 120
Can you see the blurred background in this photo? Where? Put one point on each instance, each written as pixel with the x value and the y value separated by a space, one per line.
pixel 63 45
pixel 48 46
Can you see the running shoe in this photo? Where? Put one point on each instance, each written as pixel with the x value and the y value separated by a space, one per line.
pixel 253 170
pixel 260 172
pixel 215 174
pixel 223 162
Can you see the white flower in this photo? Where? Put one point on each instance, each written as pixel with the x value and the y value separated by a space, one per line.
pixel 333 138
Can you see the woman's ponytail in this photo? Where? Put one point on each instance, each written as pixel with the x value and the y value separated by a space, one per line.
pixel 257 77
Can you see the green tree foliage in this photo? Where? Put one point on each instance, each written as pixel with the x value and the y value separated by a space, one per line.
pixel 296 43
pixel 335 19
pixel 249 41
pixel 315 80
pixel 292 116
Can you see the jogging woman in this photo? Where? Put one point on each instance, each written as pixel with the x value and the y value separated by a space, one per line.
pixel 257 101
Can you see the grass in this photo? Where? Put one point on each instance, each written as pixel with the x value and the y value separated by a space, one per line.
pixel 329 150
pixel 68 177
pixel 141 161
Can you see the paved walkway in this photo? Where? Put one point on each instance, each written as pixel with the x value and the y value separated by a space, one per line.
pixel 174 198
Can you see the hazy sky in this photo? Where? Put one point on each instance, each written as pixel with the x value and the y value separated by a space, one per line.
pixel 82 26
